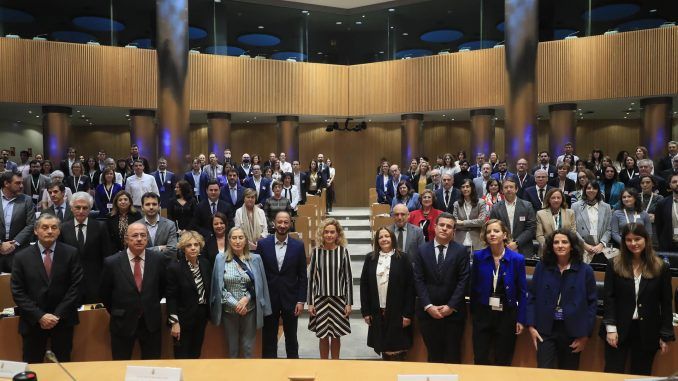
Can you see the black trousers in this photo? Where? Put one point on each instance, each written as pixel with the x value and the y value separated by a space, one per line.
pixel 6 264
pixel 442 338
pixel 122 346
pixel 269 334
pixel 493 331
pixel 641 359
pixel 189 345
pixel 555 352
pixel 35 343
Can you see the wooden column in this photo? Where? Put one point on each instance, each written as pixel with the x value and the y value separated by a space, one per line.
pixel 482 132
pixel 218 132
pixel 144 132
pixel 56 131
pixel 656 130
pixel 411 140
pixel 563 122
pixel 287 133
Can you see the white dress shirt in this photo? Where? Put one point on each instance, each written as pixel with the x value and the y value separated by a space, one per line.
pixel 383 272
pixel 281 250
pixel 137 186
pixel 511 212
pixel 593 220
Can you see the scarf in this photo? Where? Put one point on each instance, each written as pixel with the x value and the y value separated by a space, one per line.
pixel 251 228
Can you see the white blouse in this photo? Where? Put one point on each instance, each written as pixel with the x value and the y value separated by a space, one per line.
pixel 383 271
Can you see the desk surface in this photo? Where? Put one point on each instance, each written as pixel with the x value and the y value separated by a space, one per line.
pixel 321 370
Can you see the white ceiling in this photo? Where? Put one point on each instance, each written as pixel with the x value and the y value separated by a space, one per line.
pixel 344 4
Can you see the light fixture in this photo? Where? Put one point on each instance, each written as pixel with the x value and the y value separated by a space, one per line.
pixel 359 23
pixel 391 10
pixel 405 34
pixel 306 12
pixel 260 27
pixel 338 22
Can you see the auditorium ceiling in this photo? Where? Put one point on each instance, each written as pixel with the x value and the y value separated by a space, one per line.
pixel 327 31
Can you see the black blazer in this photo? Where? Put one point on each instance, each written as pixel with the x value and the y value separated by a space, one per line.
pixel 663 223
pixel 570 185
pixel 91 256
pixel 303 187
pixel 116 238
pixel 447 287
pixel 654 307
pixel 662 187
pixel 211 249
pixel 531 195
pixel 288 285
pixel 80 186
pixel 527 182
pixel 202 218
pixel 124 302
pixel 455 194
pixel 36 295
pixel 182 293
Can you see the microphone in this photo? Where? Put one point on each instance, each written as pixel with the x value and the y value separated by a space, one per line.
pixel 52 357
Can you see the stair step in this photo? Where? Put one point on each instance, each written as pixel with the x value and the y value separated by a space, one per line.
pixel 356 223
pixel 358 234
pixel 356 250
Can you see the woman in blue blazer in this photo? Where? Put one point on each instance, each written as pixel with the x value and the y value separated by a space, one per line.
pixel 611 187
pixel 105 193
pixel 407 196
pixel 239 294
pixel 562 302
pixel 498 296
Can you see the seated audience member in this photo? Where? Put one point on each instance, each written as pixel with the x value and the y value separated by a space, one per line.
pixel 545 164
pixel 421 177
pixel 381 183
pixel 60 207
pixel 498 297
pixel 188 293
pixel 629 171
pixel 162 233
pixel 408 236
pixel 611 188
pixel 470 213
pixel 407 196
pixel 425 216
pixel 482 180
pixel 523 224
pixel 182 207
pixel 583 178
pixel 666 223
pixel 18 219
pixel 78 182
pixel 165 181
pixel 290 191
pixel 140 183
pixel 525 179
pixel 197 179
pixel 122 215
pixel 208 207
pixel 251 219
pixel 105 193
pixel 387 297
pixel 554 216
pixel 561 303
pixel 48 299
pixel 593 218
pixel 274 204
pixel 463 174
pixel 562 182
pixel 447 195
pixel 502 171
pixel 536 194
pixel 91 239
pixel 54 177
pixel 637 320
pixel 646 168
pixel 492 195
pixel 629 212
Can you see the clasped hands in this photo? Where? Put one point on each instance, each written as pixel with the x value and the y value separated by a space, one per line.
pixel 48 321
pixel 439 312
pixel 241 307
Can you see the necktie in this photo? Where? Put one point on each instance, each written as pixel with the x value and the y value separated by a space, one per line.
pixel 214 208
pixel 162 178
pixel 81 236
pixel 137 272
pixel 400 238
pixel 287 194
pixel 48 262
pixel 60 213
pixel 234 195
pixel 447 197
pixel 541 196
pixel 440 255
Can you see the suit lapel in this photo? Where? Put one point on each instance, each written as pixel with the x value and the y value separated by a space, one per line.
pixel 149 271
pixel 601 223
pixel 585 217
pixel 186 269
pixel 40 264
pixel 126 269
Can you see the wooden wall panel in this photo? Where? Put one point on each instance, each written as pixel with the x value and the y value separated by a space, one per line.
pixel 115 140
pixel 446 137
pixel 611 136
pixel 253 139
pixel 197 142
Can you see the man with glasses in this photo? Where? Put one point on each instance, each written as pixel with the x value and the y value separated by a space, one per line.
pixel 436 182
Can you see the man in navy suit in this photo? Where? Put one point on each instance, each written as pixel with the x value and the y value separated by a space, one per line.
pixel 502 171
pixel 232 193
pixel 165 180
pixel 525 180
pixel 285 265
pixel 208 207
pixel 198 179
pixel 536 194
pixel 260 184
pixel 447 195
pixel 545 164
pixel 476 169
pixel 396 177
pixel 300 179
pixel 441 275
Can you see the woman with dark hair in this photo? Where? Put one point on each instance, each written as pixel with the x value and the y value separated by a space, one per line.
pixel 92 170
pixel 630 212
pixel 470 214
pixel 577 167
pixel 122 215
pixel 406 195
pixel 79 182
pixel 256 159
pixel 619 161
pixel 554 216
pixel 648 202
pixel 595 161
pixel 47 167
pixel 425 216
pixel 216 243
pixel 583 178
pixel 563 182
pixel 105 192
pixel 562 303
pixel 642 153
pixel 331 194
pixel 122 169
pixel 493 195
pixel 448 166
pixel 630 170
pixel 274 204
pixel 290 191
pixel 593 218
pixel 387 297
pixel 182 207
pixel 638 317
pixel 611 188
pixel 498 296
pixel 315 179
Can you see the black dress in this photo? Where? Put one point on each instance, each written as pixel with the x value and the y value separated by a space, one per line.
pixel 181 214
pixel 386 332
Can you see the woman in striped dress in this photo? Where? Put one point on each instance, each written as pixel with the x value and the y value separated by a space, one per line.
pixel 330 288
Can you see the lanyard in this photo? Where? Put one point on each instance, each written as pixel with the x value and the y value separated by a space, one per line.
pixel 467 209
pixel 108 194
pixel 648 203
pixel 35 185
pixel 630 175
pixel 635 216
pixel 558 220
pixel 495 273
pixel 76 182
pixel 521 181
pixel 675 212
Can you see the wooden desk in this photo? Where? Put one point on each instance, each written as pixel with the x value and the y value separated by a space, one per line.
pixel 320 370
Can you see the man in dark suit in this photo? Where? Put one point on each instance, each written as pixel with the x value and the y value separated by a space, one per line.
pixel 300 179
pixel 544 163
pixel 645 168
pixel 396 177
pixel 447 195
pixel 535 194
pixel 132 284
pixel 671 170
pixel 35 182
pixel 17 217
pixel 285 265
pixel 260 184
pixel 45 286
pixel 202 219
pixel 523 226
pixel 162 233
pixel 270 163
pixel 441 276
pixel 666 220
pixel 463 174
pixel 92 241
pixel 477 167
pixel 409 236
pixel 134 156
pixel 666 162
pixel 502 171
pixel 525 180
pixel 165 180
pixel 233 192
pixel 245 168
pixel 436 183
pixel 60 207
pixel 9 164
pixel 65 164
pixel 198 180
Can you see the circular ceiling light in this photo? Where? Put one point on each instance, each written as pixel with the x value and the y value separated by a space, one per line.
pixel 224 50
pixel 611 12
pixel 9 15
pixel 441 36
pixel 640 24
pixel 413 53
pixel 72 36
pixel 259 39
pixel 195 33
pixel 282 56
pixel 98 24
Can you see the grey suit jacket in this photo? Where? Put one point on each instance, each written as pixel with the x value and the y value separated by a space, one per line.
pixel 471 223
pixel 584 225
pixel 23 220
pixel 524 224
pixel 414 237
pixel 480 189
pixel 68 214
pixel 166 235
pixel 28 185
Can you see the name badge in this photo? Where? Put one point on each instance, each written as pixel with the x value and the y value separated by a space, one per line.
pixel 36 197
pixel 109 206
pixel 495 303
pixel 558 315
pixel 551 174
pixel 152 373
pixel 195 190
pixel 521 218
pixel 168 182
pixel 81 182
